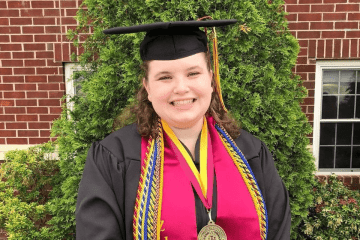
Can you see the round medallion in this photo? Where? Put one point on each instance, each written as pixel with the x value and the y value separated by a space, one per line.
pixel 212 232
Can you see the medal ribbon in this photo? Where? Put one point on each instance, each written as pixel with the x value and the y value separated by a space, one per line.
pixel 202 181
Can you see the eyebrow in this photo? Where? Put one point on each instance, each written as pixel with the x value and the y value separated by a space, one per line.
pixel 160 73
pixel 167 72
pixel 191 68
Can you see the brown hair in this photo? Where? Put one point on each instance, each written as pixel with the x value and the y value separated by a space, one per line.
pixel 146 117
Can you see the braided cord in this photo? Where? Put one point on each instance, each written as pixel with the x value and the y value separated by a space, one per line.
pixel 249 179
pixel 161 183
pixel 142 221
pixel 155 195
pixel 141 193
pixel 147 208
pixel 149 180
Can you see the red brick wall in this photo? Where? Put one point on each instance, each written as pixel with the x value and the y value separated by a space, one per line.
pixel 326 29
pixel 33 48
pixel 353 182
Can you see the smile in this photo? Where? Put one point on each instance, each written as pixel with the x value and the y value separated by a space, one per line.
pixel 183 102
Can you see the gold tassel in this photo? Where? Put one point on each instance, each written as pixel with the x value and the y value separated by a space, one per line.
pixel 216 68
pixel 215 62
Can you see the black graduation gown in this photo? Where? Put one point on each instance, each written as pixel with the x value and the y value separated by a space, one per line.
pixel 107 191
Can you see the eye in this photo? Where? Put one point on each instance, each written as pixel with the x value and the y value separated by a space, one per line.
pixel 164 78
pixel 192 74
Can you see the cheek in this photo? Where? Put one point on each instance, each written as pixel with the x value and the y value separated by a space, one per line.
pixel 206 89
pixel 160 94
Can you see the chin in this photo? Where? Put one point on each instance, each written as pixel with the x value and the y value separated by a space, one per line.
pixel 185 123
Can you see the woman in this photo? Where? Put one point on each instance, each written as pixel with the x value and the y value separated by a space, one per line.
pixel 178 173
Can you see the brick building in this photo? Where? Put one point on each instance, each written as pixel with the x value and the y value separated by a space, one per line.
pixel 35 61
pixel 33 53
pixel 329 63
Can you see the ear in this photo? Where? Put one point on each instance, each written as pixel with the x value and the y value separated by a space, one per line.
pixel 146 86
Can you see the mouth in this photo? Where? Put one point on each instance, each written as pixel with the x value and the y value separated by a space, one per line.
pixel 183 102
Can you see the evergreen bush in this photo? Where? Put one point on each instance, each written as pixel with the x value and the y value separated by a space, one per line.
pixel 26 180
pixel 335 213
pixel 256 60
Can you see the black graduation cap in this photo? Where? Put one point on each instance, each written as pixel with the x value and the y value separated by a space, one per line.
pixel 171 40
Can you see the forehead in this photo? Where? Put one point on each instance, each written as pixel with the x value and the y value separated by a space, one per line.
pixel 196 60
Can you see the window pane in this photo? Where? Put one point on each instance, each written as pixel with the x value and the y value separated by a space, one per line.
pixel 347 88
pixel 330 88
pixel 343 155
pixel 77 81
pixel 346 108
pixel 356 140
pixel 356 157
pixel 347 76
pixel 326 157
pixel 330 76
pixel 329 107
pixel 327 134
pixel 344 131
pixel 347 82
pixel 357 114
pixel 358 82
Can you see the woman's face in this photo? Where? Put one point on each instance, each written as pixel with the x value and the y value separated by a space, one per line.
pixel 180 90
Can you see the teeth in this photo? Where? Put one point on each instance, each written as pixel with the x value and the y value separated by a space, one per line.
pixel 176 103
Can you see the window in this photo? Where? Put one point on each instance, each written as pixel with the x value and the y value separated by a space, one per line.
pixel 71 87
pixel 72 83
pixel 337 116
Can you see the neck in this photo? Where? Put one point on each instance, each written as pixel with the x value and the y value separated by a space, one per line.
pixel 188 134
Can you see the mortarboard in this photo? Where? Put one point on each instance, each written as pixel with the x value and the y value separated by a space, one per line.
pixel 175 40
pixel 171 40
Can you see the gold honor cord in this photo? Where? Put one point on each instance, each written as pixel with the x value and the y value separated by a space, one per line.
pixel 201 177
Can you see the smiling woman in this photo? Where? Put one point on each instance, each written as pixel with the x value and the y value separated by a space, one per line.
pixel 180 90
pixel 147 117
pixel 184 170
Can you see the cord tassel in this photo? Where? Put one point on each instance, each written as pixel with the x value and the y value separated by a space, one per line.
pixel 216 68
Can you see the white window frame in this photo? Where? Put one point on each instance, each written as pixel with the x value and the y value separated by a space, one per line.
pixel 70 68
pixel 320 66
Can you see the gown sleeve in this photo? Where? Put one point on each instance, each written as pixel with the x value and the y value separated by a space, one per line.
pixel 272 187
pixel 276 198
pixel 99 209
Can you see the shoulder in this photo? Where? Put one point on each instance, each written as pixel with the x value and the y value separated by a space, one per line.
pixel 123 143
pixel 249 144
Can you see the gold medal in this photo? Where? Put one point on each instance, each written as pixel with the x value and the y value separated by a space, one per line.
pixel 212 231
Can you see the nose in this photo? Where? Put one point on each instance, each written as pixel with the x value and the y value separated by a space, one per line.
pixel 181 85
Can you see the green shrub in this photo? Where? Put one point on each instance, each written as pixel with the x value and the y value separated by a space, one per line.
pixel 27 178
pixel 335 213
pixel 258 86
